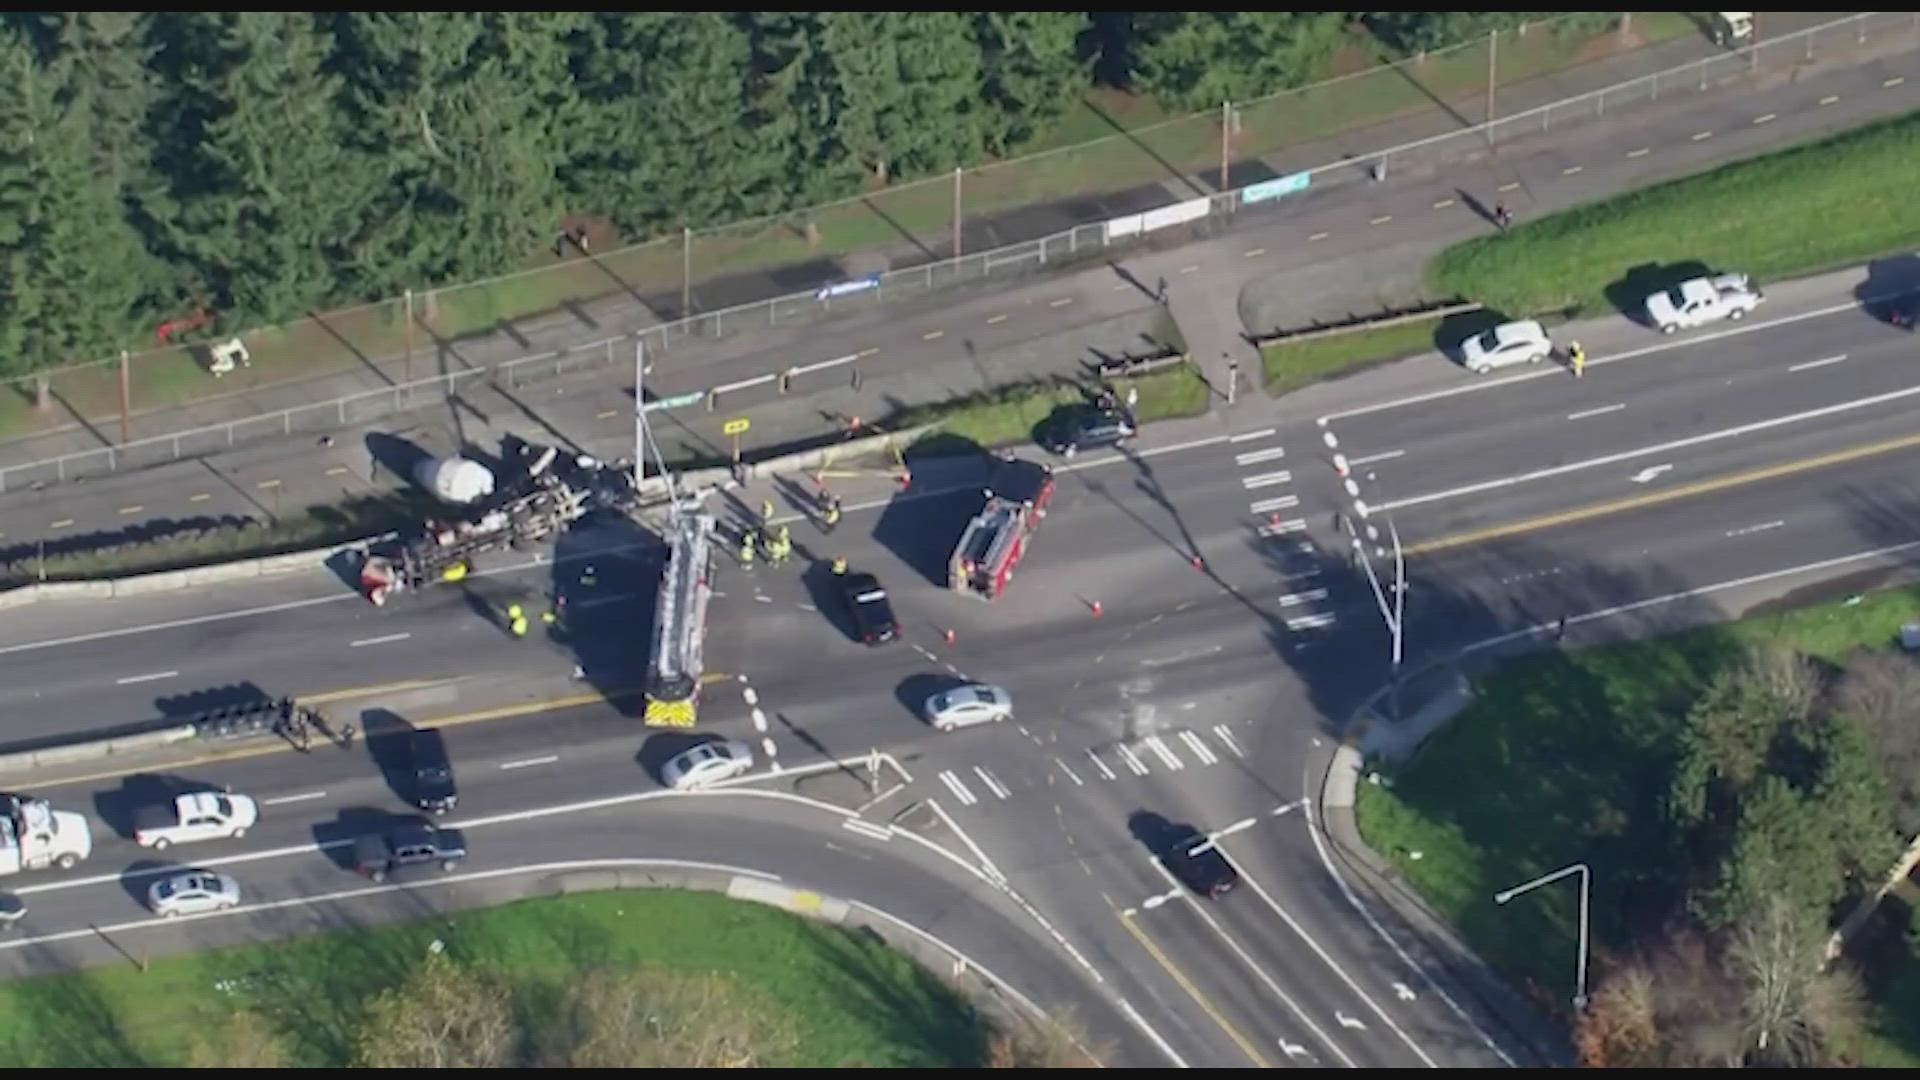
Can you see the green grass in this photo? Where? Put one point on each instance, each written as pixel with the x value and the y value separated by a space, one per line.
pixel 1833 202
pixel 1288 366
pixel 1007 415
pixel 1564 757
pixel 841 999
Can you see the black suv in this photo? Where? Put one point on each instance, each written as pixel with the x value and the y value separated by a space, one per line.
pixel 406 848
pixel 1084 427
pixel 1197 862
pixel 1901 311
pixel 431 772
pixel 872 612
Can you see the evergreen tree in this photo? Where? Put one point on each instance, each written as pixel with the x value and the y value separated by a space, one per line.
pixel 905 93
pixel 1032 68
pixel 793 105
pixel 1196 60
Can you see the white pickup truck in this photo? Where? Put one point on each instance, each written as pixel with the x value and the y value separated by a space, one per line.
pixel 33 835
pixel 1703 300
pixel 202 815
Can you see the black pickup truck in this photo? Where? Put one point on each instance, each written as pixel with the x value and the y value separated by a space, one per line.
pixel 406 848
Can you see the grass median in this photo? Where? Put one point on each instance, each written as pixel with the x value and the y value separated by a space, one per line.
pixel 799 993
pixel 1824 204
pixel 1290 365
pixel 1566 757
pixel 1008 415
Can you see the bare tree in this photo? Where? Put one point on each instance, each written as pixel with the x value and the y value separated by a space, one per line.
pixel 1882 690
pixel 1054 1042
pixel 1786 680
pixel 444 1016
pixel 1619 1029
pixel 1696 1006
pixel 1791 1009
pixel 240 1040
pixel 658 1019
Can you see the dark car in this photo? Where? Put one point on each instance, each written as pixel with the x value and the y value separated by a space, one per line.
pixel 407 848
pixel 1198 863
pixel 1087 428
pixel 1901 311
pixel 872 612
pixel 431 771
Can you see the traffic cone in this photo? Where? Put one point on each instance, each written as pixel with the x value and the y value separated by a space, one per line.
pixel 949 636
pixel 1198 565
pixel 1096 609
pixel 905 478
pixel 1273 519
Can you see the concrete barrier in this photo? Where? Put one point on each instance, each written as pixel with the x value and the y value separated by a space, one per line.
pixel 655 487
pixel 799 901
pixel 174 580
pixel 234 571
pixel 166 581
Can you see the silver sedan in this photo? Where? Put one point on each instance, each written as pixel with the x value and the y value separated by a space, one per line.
pixel 193 892
pixel 965 706
pixel 705 764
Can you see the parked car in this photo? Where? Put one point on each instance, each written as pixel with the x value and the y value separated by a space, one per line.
pixel 1198 863
pixel 1703 300
pixel 431 771
pixel 708 763
pixel 192 892
pixel 870 609
pixel 1072 430
pixel 407 847
pixel 199 815
pixel 1524 342
pixel 965 706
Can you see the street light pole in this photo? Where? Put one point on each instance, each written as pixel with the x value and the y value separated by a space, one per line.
pixel 1586 880
pixel 1391 615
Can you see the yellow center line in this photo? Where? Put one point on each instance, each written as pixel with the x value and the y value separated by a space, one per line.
pixel 1687 491
pixel 1193 992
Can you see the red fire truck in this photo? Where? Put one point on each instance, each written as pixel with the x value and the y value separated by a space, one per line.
pixel 1017 496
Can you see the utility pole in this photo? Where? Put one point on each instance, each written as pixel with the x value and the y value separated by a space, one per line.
pixel 126 398
pixel 686 271
pixel 1493 54
pixel 1226 129
pixel 1393 615
pixel 409 371
pixel 956 212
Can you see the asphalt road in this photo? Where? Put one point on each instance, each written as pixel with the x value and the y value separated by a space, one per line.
pixel 1348 248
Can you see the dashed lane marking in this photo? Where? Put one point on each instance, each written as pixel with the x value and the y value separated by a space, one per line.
pixel 1370 459
pixel 1818 363
pixel 305 796
pixel 1642 152
pixel 606 414
pixel 1601 411
pixel 768 747
pixel 1749 530
pixel 993 785
pixel 264 484
pixel 528 763
pixel 1702 136
pixel 1249 436
pixel 61 524
pixel 1189 269
pixel 1894 81
pixel 337 470
pixel 1511 185
pixel 199 497
pixel 1062 302
pixel 1381 220
pixel 154 677
pixel 1765 118
pixel 382 640
pixel 1443 204
pixel 1830 99
pixel 1098 764
pixel 1571 169
pixel 134 509
pixel 960 790
pixel 933 335
pixel 1317 237
pixel 1133 760
pixel 1253 253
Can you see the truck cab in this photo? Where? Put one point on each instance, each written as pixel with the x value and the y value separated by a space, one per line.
pixel 33 835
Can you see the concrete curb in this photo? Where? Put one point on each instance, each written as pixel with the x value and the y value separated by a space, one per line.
pixel 176 580
pixel 95 749
pixel 1339 790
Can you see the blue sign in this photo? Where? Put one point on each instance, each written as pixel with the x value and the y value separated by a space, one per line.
pixel 678 401
pixel 845 287
pixel 1274 189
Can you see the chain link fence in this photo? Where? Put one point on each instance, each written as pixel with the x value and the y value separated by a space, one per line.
pixel 343 340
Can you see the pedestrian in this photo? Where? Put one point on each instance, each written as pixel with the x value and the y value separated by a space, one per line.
pixel 580 240
pixel 839 566
pixel 832 515
pixel 1160 296
pixel 1560 629
pixel 1578 357
pixel 746 550
pixel 1133 398
pixel 766 511
pixel 516 621
pixel 588 578
pixel 1501 216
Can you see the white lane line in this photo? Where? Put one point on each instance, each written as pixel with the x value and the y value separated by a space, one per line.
pixel 1181 658
pixel 1751 529
pixel 1370 459
pixel 1220 731
pixel 1168 757
pixel 1198 745
pixel 993 785
pixel 1309 622
pixel 1255 457
pixel 759 720
pixel 1268 506
pixel 865 828
pixel 364 642
pixel 1071 775
pixel 283 800
pixel 749 694
pixel 1642 152
pixel 959 789
pixel 1644 451
pixel 1249 436
pixel 1269 531
pixel 1298 598
pixel 1098 764
pixel 1301 933
pixel 1133 761
pixel 1818 363
pixel 131 679
pixel 1601 411
pixel 528 763
pixel 1251 483
pixel 772 752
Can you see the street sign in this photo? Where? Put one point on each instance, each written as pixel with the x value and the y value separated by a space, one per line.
pixel 736 426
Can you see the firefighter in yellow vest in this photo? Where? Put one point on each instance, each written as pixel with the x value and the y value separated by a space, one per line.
pixel 840 566
pixel 746 549
pixel 780 546
pixel 516 621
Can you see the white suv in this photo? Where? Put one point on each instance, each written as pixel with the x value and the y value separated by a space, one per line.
pixel 1523 342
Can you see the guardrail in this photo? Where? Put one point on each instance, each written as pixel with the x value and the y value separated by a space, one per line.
pixel 1198 217
pixel 1394 317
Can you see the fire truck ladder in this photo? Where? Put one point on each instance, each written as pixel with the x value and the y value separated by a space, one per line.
pixel 984 546
pixel 680 622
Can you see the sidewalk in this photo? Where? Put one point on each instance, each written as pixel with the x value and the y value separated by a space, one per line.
pixel 621 312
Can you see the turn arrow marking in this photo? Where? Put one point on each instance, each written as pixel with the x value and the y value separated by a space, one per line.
pixel 1404 991
pixel 1649 473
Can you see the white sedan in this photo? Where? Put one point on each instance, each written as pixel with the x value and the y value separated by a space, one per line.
pixel 1524 342
pixel 705 764
pixel 965 706
pixel 193 892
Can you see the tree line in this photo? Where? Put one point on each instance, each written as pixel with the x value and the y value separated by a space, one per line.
pixel 1793 788
pixel 265 164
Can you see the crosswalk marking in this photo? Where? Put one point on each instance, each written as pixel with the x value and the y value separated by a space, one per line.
pixel 1255 457
pixel 1220 732
pixel 1133 761
pixel 1252 483
pixel 993 785
pixel 1308 597
pixel 1278 502
pixel 1194 743
pixel 1172 760
pixel 1098 764
pixel 959 789
pixel 1309 622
